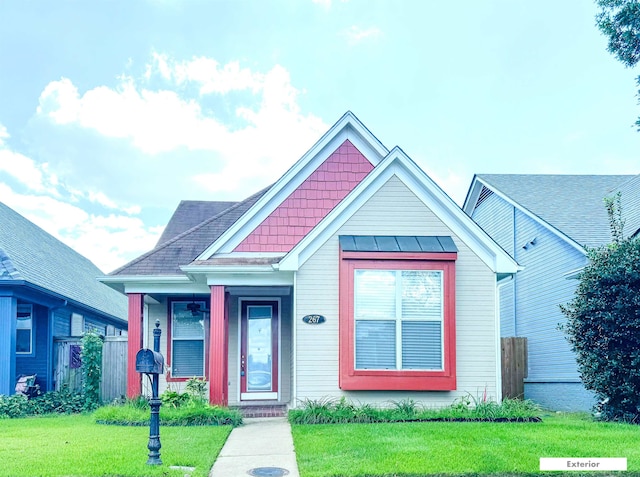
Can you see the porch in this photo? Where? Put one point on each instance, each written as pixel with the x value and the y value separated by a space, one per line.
pixel 238 338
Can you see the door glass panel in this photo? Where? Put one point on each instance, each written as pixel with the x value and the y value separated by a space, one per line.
pixel 259 359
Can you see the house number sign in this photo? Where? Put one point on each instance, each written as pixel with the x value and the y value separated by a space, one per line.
pixel 314 319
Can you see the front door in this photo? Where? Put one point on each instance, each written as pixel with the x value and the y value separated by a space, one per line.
pixel 259 350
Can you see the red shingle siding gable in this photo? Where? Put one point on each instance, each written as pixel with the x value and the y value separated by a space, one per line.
pixel 310 202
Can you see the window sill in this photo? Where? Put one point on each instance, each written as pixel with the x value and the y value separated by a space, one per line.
pixel 363 380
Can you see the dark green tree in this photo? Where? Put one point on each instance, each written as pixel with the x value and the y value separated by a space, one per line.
pixel 603 322
pixel 620 21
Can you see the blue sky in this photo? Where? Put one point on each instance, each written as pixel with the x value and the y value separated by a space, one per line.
pixel 111 112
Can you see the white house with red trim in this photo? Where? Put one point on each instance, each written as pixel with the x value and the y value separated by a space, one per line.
pixel 353 275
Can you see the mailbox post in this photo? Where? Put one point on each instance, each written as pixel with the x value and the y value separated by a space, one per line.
pixel 151 363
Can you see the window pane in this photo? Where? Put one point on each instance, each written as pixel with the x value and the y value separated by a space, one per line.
pixel 421 345
pixel 24 329
pixel 422 294
pixel 188 358
pixel 23 341
pixel 375 344
pixel 375 294
pixel 187 326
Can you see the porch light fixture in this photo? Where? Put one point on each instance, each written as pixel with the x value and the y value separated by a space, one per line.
pixel 195 308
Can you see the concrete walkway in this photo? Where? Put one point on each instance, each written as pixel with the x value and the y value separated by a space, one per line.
pixel 259 442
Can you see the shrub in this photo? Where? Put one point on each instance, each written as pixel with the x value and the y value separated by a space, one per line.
pixel 174 399
pixel 14 406
pixel 331 411
pixel 194 414
pixel 60 402
pixel 603 323
pixel 91 369
pixel 197 388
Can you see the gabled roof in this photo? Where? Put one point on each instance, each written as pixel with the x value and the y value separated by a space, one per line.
pixel 190 213
pixel 571 206
pixel 29 254
pixel 348 127
pixel 398 164
pixel 182 249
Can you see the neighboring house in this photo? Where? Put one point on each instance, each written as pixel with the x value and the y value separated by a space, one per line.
pixel 545 222
pixel 47 291
pixel 353 275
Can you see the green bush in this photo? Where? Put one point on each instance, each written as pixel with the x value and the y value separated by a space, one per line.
pixel 13 406
pixel 603 322
pixel 174 399
pixel 336 411
pixel 60 402
pixel 91 369
pixel 193 413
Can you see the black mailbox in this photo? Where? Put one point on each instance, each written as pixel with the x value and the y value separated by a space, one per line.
pixel 150 362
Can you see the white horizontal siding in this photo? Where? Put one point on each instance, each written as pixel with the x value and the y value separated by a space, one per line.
pixel 394 210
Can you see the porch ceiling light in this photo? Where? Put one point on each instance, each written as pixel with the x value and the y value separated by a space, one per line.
pixel 195 308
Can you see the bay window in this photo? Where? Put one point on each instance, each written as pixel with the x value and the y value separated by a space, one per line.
pixel 397 320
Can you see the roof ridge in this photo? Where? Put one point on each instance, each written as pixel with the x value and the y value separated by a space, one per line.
pixel 190 231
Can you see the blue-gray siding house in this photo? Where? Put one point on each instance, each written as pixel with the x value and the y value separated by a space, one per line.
pixel 47 290
pixel 545 222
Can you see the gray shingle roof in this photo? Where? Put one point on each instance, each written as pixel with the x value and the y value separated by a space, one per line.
pixel 573 204
pixel 29 253
pixel 182 249
pixel 190 213
pixel 630 198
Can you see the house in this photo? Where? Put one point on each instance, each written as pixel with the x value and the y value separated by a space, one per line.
pixel 546 222
pixel 353 275
pixel 47 291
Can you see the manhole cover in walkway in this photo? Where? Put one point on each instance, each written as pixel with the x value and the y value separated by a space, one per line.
pixel 268 472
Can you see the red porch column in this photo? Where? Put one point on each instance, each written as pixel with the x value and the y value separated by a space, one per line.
pixel 134 334
pixel 218 360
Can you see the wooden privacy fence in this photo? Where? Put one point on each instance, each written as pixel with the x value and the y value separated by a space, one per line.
pixel 514 367
pixel 67 367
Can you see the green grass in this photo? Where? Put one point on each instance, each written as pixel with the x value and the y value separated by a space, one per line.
pixel 76 446
pixel 131 414
pixel 421 448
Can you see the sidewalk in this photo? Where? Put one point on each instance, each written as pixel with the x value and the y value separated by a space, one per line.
pixel 259 442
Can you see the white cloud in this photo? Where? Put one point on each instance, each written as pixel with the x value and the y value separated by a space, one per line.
pixel 108 241
pixel 356 34
pixel 27 172
pixel 273 132
pixel 207 72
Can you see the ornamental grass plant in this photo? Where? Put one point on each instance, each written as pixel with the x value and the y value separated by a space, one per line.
pixel 466 408
pixel 192 413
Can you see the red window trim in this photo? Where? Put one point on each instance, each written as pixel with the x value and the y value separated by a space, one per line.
pixel 388 380
pixel 169 378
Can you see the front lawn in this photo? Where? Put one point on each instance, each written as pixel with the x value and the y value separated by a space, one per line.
pixel 76 446
pixel 421 448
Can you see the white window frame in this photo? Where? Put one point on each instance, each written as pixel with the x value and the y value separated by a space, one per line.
pixel 24 308
pixel 188 338
pixel 399 319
